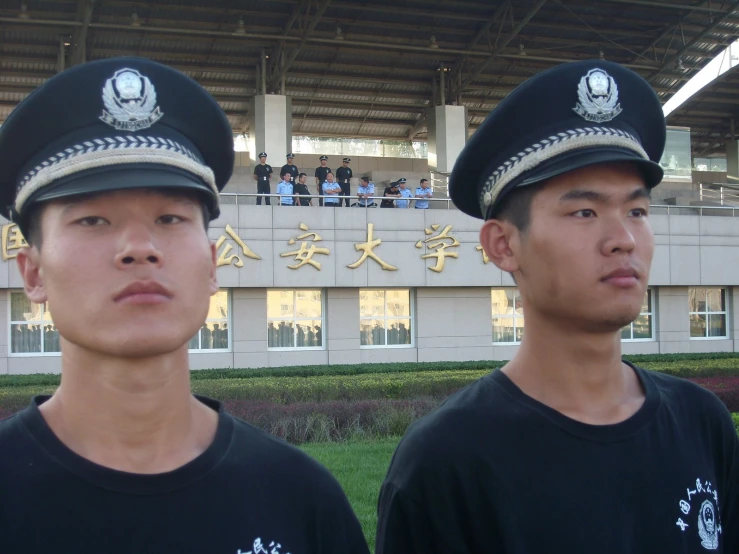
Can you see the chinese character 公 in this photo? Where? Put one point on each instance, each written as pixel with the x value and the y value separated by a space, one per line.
pixel 224 258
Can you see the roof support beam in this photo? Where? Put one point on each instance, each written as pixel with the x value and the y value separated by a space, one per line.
pixel 79 37
pixel 501 46
pixel 279 76
pixel 669 62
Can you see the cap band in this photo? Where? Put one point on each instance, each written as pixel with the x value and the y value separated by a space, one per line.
pixel 111 151
pixel 550 147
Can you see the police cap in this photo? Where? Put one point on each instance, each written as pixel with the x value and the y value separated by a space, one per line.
pixel 262 155
pixel 567 117
pixel 401 180
pixel 322 158
pixel 290 155
pixel 347 160
pixel 112 124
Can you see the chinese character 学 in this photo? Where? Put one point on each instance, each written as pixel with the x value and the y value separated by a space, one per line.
pixel 224 258
pixel 367 249
pixel 12 241
pixel 305 254
pixel 439 243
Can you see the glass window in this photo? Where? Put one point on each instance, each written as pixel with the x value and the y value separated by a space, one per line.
pixel 385 317
pixel 332 146
pixel 707 313
pixel 642 328
pixel 507 316
pixel 32 331
pixel 215 333
pixel 676 159
pixel 294 319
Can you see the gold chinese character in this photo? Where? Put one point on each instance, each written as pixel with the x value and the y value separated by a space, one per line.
pixel 12 240
pixel 224 258
pixel 305 254
pixel 367 251
pixel 485 257
pixel 440 246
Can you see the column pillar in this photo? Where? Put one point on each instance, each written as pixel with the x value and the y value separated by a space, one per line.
pixel 447 135
pixel 270 129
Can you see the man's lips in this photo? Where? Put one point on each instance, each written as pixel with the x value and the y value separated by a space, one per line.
pixel 622 277
pixel 144 292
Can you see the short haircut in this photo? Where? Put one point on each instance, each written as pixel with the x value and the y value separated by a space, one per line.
pixel 329 173
pixel 302 175
pixel 365 179
pixel 424 180
pixel 34 237
pixel 287 173
pixel 515 207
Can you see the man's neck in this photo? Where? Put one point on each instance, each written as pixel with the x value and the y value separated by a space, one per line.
pixel 579 374
pixel 134 415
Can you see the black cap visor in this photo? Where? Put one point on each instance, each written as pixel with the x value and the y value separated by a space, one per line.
pixel 123 177
pixel 586 157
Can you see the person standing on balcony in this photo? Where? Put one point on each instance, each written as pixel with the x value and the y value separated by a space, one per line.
pixel 321 172
pixel 262 174
pixel 344 177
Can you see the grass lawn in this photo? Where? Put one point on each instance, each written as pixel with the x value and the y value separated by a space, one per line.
pixel 360 467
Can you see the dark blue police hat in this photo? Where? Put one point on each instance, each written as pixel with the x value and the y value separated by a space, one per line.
pixel 571 116
pixel 262 155
pixel 401 180
pixel 113 124
pixel 323 158
pixel 290 155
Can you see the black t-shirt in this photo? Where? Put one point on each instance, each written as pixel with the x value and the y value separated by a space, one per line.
pixel 263 172
pixel 493 470
pixel 247 489
pixel 344 174
pixel 388 202
pixel 292 170
pixel 302 190
pixel 321 173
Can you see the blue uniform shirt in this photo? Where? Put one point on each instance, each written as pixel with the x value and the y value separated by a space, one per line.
pixel 405 193
pixel 284 188
pixel 423 203
pixel 369 189
pixel 331 198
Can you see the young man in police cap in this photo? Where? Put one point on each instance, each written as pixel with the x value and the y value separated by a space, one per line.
pixel 114 194
pixel 344 177
pixel 321 172
pixel 567 448
pixel 262 173
pixel 290 168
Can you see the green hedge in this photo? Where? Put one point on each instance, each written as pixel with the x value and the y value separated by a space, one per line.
pixel 682 365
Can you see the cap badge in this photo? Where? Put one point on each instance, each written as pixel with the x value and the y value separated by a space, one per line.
pixel 130 101
pixel 598 97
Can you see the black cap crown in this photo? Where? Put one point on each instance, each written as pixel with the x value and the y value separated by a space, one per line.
pixel 114 124
pixel 573 115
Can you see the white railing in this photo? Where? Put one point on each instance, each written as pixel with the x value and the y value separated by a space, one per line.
pixel 721 193
pixel 243 198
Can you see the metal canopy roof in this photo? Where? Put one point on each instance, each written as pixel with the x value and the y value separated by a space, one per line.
pixel 361 69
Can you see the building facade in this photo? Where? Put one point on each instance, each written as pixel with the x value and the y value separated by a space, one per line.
pixel 335 286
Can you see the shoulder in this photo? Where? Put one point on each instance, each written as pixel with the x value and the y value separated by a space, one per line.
pixel 455 426
pixel 686 396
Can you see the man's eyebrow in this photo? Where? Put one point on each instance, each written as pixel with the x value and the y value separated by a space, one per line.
pixel 595 196
pixel 580 194
pixel 641 192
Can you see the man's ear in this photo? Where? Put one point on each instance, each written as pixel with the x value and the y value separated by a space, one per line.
pixel 28 261
pixel 213 269
pixel 496 238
